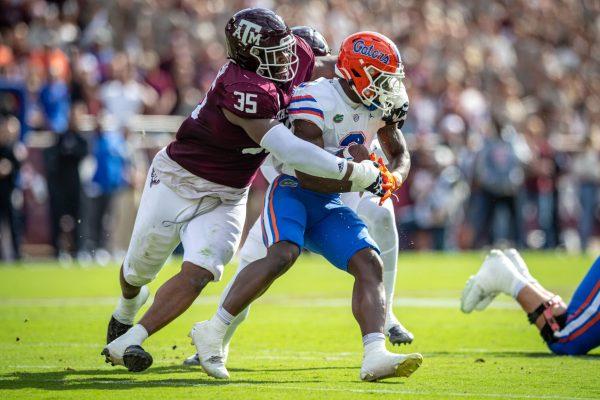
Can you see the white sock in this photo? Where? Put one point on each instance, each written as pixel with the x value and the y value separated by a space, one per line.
pixel 373 342
pixel 137 334
pixel 517 286
pixel 221 320
pixel 512 283
pixel 237 320
pixel 128 308
pixel 520 265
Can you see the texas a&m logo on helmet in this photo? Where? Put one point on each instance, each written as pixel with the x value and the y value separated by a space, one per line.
pixel 259 40
pixel 248 32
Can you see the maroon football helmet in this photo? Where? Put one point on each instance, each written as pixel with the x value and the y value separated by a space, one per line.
pixel 258 40
pixel 314 38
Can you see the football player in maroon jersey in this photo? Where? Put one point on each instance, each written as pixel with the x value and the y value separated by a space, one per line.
pixel 314 38
pixel 197 186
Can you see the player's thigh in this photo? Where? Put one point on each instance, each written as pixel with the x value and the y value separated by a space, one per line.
pixel 156 231
pixel 339 236
pixel 375 215
pixel 284 215
pixel 210 239
pixel 586 291
pixel 582 330
pixel 581 340
pixel 351 199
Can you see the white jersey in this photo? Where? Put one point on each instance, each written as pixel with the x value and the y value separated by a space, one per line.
pixel 343 122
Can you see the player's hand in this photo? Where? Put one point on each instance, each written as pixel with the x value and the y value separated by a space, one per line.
pixel 397 115
pixel 366 176
pixel 378 187
pixel 390 181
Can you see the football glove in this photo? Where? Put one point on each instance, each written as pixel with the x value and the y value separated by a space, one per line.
pixel 390 182
pixel 397 115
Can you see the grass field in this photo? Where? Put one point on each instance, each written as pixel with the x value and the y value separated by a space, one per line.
pixel 300 342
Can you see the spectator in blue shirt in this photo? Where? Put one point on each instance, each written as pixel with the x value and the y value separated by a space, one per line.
pixel 55 102
pixel 109 150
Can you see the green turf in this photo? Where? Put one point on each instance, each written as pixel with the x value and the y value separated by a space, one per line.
pixel 300 341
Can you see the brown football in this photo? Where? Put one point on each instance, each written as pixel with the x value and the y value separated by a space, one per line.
pixel 359 152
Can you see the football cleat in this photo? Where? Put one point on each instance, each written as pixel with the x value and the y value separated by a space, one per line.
pixel 115 329
pixel 134 358
pixel 482 305
pixel 497 274
pixel 520 265
pixel 209 348
pixel 384 364
pixel 194 360
pixel 396 332
pixel 122 352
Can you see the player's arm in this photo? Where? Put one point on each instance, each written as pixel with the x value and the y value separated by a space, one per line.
pixel 305 156
pixel 312 133
pixel 324 67
pixel 392 140
pixel 396 151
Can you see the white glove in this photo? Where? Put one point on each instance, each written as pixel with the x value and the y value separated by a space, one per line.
pixel 366 176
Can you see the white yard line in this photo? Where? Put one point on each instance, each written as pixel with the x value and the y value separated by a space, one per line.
pixel 283 387
pixel 416 302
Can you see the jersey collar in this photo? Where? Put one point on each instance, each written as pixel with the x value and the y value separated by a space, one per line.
pixel 343 95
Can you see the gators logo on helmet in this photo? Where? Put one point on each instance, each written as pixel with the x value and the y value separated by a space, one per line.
pixel 371 63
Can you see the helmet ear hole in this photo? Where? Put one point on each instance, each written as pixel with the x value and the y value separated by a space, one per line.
pixel 355 73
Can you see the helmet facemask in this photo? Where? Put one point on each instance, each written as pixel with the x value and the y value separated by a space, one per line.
pixel 277 63
pixel 384 89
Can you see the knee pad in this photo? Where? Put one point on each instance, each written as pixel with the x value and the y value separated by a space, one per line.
pixel 138 271
pixel 552 323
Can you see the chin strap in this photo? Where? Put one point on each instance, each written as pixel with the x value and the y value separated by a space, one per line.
pixel 553 323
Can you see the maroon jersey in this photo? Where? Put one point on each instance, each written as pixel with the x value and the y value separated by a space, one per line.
pixel 209 146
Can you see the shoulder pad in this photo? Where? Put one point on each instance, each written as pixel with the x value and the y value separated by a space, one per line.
pixel 320 90
pixel 250 98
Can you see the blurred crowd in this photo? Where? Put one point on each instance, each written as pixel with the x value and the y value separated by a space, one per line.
pixel 503 127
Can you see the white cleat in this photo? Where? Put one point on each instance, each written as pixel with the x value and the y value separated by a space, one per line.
pixel 497 274
pixel 482 305
pixel 384 364
pixel 209 348
pixel 194 360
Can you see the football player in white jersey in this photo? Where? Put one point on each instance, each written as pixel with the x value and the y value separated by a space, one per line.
pixel 306 211
pixel 380 220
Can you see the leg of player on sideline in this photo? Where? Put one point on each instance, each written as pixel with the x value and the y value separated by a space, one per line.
pixel 572 330
pixel 381 223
